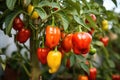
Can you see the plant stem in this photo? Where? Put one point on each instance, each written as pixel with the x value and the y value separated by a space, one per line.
pixel 35 69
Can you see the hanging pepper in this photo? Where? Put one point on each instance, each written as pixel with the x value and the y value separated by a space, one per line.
pixel 105 25
pixel 67 43
pixel 104 40
pixel 54 61
pixel 81 42
pixel 82 77
pixel 30 9
pixel 53 35
pixel 93 73
pixel 115 77
pixel 42 54
pixel 23 35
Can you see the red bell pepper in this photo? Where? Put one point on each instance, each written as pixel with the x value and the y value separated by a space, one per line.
pixel 81 42
pixel 53 35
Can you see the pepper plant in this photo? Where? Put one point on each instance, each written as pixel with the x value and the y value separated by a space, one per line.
pixel 64 36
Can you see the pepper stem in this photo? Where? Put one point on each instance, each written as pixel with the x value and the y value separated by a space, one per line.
pixel 53 21
pixel 56 48
pixel 80 30
pixel 91 64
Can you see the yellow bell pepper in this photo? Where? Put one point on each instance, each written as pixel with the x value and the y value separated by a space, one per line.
pixel 34 14
pixel 105 25
pixel 54 61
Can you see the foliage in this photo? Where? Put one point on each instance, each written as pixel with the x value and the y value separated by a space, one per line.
pixel 70 16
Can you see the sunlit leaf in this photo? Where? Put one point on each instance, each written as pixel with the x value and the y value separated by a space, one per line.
pixel 10 4
pixel 41 12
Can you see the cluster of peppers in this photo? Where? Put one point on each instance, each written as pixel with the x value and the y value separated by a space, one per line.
pixel 23 34
pixel 77 42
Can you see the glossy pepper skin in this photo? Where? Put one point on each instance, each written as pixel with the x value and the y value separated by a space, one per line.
pixel 18 24
pixel 54 61
pixel 115 77
pixel 82 77
pixel 93 74
pixel 23 35
pixel 30 11
pixel 42 54
pixel 81 42
pixel 105 25
pixel 104 40
pixel 92 51
pixel 53 35
pixel 67 43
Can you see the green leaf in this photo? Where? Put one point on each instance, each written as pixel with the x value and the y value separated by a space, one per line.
pixel 41 12
pixel 84 67
pixel 99 2
pixel 117 56
pixel 50 4
pixel 27 2
pixel 98 43
pixel 35 2
pixel 80 57
pixel 115 2
pixel 72 60
pixel 10 4
pixel 73 4
pixel 64 19
pixel 79 21
pixel 111 63
pixel 9 20
pixel 92 23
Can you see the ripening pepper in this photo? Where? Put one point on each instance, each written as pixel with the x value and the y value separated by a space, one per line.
pixel 30 11
pixel 54 61
pixel 104 40
pixel 105 25
pixel 93 74
pixel 67 43
pixel 92 51
pixel 23 35
pixel 42 54
pixel 18 24
pixel 93 18
pixel 82 77
pixel 115 77
pixel 81 42
pixel 53 35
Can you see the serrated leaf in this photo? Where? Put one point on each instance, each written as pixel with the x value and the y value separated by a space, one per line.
pixel 115 2
pixel 79 21
pixel 84 67
pixel 10 4
pixel 64 19
pixel 9 20
pixel 72 60
pixel 41 12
